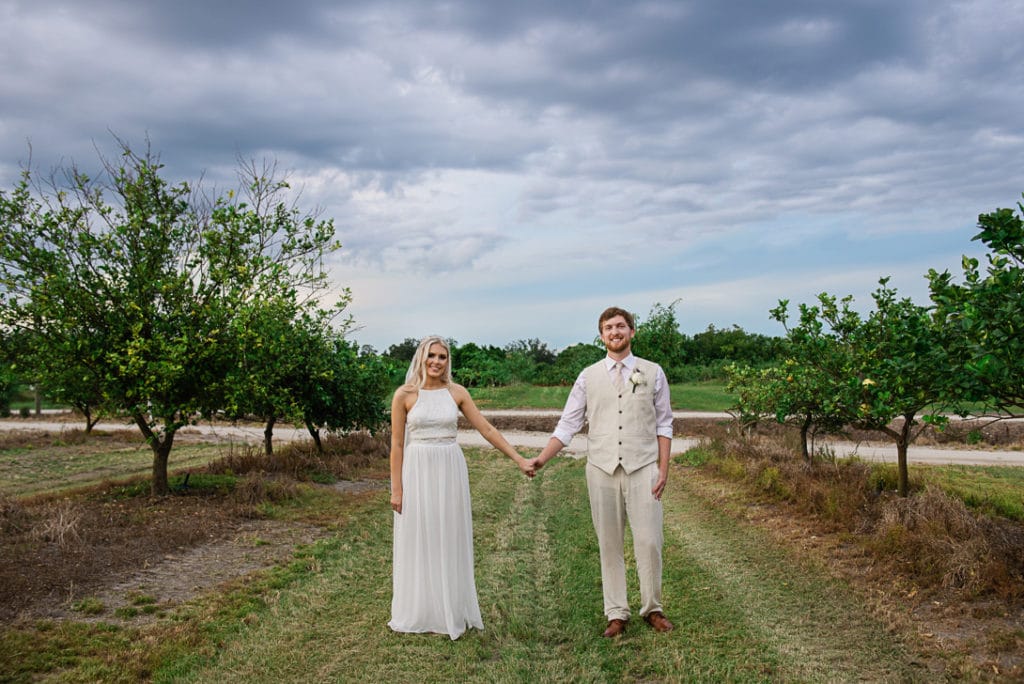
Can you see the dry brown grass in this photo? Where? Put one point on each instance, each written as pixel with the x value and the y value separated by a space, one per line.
pixel 943 543
pixel 932 539
pixel 59 522
pixel 27 439
pixel 343 457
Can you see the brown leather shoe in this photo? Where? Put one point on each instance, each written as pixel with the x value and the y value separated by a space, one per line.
pixel 615 628
pixel 658 621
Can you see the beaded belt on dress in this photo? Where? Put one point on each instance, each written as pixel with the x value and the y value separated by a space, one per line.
pixel 434 441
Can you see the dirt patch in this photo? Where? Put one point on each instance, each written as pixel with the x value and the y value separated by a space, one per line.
pixel 96 558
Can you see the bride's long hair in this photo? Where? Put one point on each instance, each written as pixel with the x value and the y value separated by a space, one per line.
pixel 417 373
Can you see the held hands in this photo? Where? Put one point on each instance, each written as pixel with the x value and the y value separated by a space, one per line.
pixel 526 466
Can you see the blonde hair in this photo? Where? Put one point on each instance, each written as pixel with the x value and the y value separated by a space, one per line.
pixel 417 373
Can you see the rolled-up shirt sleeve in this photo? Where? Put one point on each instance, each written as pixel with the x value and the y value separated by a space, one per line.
pixel 575 412
pixel 662 405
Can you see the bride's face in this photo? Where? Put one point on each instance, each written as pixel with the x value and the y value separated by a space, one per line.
pixel 437 362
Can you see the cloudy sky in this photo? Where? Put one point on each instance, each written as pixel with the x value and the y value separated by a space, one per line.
pixel 504 170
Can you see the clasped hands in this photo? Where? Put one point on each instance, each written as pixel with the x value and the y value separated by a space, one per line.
pixel 529 466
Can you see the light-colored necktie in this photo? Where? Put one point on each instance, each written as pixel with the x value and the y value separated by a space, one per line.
pixel 617 376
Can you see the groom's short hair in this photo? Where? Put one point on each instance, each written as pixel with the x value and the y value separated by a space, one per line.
pixel 612 312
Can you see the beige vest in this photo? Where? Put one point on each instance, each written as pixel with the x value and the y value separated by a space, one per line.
pixel 623 428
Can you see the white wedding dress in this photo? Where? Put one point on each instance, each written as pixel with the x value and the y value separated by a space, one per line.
pixel 433 585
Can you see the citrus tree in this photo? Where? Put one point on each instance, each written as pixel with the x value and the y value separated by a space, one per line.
pixel 986 312
pixel 140 281
pixel 793 394
pixel 889 371
pixel 347 390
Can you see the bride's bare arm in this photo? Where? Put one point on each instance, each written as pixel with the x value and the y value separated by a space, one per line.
pixel 466 404
pixel 398 413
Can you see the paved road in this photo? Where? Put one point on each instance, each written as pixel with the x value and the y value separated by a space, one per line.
pixel 875 451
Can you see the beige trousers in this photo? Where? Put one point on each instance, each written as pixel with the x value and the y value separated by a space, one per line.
pixel 613 499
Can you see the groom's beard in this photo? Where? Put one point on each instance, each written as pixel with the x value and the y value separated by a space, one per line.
pixel 617 346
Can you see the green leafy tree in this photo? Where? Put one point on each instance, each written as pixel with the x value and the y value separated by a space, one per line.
pixel 892 364
pixel 155 275
pixel 476 366
pixel 403 351
pixel 346 391
pixel 658 339
pixel 526 360
pixel 986 316
pixel 278 346
pixel 792 394
pixel 569 362
pixel 8 382
pixel 733 344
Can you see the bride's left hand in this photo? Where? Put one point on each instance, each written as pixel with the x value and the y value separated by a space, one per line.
pixel 526 467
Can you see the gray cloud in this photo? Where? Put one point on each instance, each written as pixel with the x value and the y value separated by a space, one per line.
pixel 450 136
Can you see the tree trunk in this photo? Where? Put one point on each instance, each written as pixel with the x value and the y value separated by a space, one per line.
pixel 268 436
pixel 804 429
pixel 902 444
pixel 159 486
pixel 315 434
pixel 90 422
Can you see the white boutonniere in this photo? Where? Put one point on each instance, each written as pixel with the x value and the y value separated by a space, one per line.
pixel 636 379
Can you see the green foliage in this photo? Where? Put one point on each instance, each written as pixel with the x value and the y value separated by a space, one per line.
pixel 658 339
pixel 794 393
pixel 519 362
pixel 127 288
pixel 986 315
pixel 476 366
pixel 349 393
pixel 865 371
pixel 403 351
pixel 715 346
pixel 569 362
pixel 8 383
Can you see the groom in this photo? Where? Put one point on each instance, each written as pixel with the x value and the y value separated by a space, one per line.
pixel 625 400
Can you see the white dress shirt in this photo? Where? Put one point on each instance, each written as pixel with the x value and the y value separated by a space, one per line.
pixel 575 412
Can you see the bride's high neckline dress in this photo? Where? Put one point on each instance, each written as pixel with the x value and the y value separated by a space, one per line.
pixel 434 589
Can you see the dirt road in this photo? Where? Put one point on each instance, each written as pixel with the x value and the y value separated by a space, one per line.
pixel 252 434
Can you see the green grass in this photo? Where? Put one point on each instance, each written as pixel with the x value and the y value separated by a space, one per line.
pixel 745 610
pixel 694 396
pixel 994 490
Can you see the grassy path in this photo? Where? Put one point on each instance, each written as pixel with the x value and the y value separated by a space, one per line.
pixel 744 609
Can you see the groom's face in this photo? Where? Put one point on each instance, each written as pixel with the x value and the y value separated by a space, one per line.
pixel 616 334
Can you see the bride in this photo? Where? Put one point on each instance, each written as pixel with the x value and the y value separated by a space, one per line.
pixel 434 589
